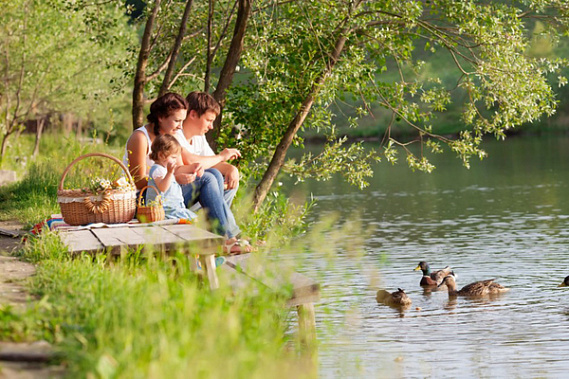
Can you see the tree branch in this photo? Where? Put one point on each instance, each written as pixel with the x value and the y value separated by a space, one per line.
pixel 173 57
pixel 140 75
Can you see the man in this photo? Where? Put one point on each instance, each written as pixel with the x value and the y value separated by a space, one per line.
pixel 202 111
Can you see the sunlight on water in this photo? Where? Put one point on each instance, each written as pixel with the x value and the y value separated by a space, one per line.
pixel 505 218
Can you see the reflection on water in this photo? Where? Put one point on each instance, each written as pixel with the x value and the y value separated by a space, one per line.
pixel 505 218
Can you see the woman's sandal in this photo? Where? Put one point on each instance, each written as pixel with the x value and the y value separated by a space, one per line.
pixel 238 247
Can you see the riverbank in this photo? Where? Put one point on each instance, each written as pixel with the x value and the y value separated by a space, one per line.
pixel 20 360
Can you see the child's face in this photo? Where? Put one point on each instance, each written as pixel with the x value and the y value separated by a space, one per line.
pixel 165 160
pixel 172 123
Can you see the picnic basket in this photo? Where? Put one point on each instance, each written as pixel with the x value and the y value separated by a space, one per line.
pixel 149 213
pixel 112 206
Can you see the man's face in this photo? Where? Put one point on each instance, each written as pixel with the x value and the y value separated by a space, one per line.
pixel 205 122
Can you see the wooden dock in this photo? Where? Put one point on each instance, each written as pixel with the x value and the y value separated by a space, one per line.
pixel 116 239
pixel 189 238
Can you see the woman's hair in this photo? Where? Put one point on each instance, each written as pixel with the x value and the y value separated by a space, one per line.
pixel 163 107
pixel 166 144
pixel 202 102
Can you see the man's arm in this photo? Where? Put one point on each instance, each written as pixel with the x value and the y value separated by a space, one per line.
pixel 210 161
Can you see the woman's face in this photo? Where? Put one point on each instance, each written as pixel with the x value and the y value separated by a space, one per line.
pixel 172 123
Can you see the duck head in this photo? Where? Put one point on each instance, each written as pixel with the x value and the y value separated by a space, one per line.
pixel 423 266
pixel 450 283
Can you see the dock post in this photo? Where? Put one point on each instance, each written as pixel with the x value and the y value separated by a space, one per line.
pixel 208 265
pixel 306 324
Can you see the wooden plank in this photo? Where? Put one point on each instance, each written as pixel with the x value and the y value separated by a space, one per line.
pixel 238 281
pixel 208 242
pixel 9 233
pixel 117 238
pixel 156 235
pixel 80 240
pixel 304 289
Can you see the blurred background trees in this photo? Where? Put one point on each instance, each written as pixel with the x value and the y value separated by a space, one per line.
pixel 437 74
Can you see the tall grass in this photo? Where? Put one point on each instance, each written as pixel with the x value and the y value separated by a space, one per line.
pixel 146 315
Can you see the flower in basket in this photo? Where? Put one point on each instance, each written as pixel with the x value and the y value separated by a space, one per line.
pixel 99 185
pixel 122 184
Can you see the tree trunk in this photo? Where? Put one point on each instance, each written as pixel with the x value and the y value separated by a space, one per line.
pixel 39 130
pixel 176 49
pixel 4 146
pixel 140 75
pixel 209 56
pixel 231 61
pixel 280 153
pixel 79 131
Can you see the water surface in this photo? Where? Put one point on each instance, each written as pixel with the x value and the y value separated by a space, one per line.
pixel 505 218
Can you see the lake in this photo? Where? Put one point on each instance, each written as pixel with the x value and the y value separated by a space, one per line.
pixel 505 218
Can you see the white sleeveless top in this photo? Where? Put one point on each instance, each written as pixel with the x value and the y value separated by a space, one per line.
pixel 149 162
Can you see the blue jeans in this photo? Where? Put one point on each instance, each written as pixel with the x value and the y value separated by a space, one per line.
pixel 208 190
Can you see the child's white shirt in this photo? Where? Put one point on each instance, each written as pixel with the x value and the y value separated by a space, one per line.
pixel 159 172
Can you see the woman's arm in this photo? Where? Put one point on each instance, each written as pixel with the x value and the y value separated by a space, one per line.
pixel 137 149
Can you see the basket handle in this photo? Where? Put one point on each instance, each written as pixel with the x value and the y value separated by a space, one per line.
pixel 60 188
pixel 142 191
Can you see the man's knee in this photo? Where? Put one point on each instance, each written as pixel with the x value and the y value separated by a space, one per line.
pixel 215 173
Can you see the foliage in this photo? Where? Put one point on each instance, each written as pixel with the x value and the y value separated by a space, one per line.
pixel 394 61
pixel 498 82
pixel 58 58
pixel 34 197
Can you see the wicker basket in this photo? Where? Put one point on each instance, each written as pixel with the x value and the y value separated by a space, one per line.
pixel 80 207
pixel 149 213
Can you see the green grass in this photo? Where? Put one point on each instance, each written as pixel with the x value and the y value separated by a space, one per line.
pixel 145 317
pixel 34 197
pixel 148 315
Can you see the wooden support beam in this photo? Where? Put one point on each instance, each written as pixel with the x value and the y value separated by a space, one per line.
pixel 306 324
pixel 208 265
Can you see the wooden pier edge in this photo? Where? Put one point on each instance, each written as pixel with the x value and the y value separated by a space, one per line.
pixel 305 291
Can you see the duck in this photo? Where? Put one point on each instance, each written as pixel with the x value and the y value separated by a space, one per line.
pixel 432 279
pixel 565 282
pixel 480 288
pixel 394 299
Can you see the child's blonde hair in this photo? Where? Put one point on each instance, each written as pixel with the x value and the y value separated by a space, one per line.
pixel 166 144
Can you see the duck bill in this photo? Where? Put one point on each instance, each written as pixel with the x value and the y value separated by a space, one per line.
pixel 562 285
pixel 417 268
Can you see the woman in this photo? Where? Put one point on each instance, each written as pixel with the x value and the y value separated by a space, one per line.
pixel 167 114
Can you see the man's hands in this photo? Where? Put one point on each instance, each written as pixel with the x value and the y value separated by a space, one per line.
pixel 196 168
pixel 228 154
pixel 232 177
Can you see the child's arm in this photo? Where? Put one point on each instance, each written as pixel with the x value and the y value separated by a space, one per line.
pixel 164 182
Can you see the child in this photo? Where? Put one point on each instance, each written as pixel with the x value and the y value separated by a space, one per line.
pixel 165 152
